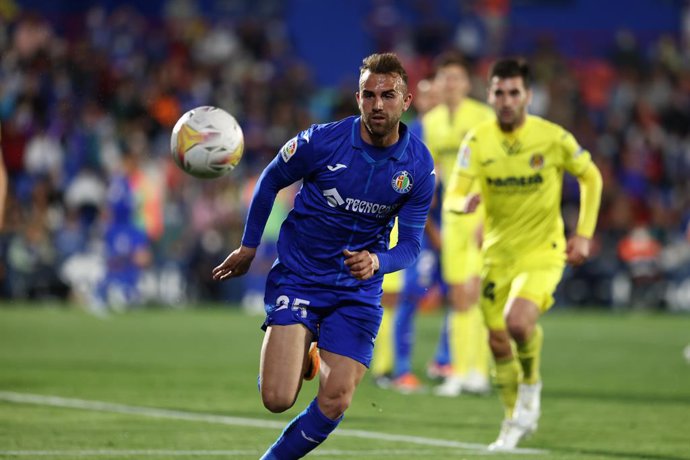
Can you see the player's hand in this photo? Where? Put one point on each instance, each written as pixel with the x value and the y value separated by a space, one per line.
pixel 577 250
pixel 363 264
pixel 471 203
pixel 236 264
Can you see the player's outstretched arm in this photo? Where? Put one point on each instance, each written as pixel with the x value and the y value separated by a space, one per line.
pixel 236 264
pixel 459 199
pixel 579 246
pixel 460 204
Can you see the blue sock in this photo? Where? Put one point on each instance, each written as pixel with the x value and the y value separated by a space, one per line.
pixel 303 434
pixel 404 336
pixel 443 350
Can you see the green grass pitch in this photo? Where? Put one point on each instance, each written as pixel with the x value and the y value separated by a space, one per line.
pixel 157 384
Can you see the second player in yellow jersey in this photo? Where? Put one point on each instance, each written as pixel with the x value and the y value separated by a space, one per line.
pixel 444 127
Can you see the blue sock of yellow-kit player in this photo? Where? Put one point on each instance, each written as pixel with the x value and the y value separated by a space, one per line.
pixel 304 433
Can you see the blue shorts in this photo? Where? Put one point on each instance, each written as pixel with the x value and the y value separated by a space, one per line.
pixel 424 274
pixel 343 321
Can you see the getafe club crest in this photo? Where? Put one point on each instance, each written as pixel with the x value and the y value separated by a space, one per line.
pixel 536 161
pixel 402 182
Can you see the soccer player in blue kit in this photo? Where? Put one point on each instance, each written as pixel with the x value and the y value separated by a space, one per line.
pixel 325 286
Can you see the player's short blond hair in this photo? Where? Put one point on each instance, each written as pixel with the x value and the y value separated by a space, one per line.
pixel 383 63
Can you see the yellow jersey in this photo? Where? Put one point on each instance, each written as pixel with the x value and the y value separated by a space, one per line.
pixel 520 175
pixel 443 132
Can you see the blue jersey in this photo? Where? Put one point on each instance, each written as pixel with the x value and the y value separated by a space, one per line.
pixel 348 200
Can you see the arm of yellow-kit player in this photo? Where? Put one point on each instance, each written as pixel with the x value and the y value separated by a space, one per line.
pixel 591 185
pixel 458 198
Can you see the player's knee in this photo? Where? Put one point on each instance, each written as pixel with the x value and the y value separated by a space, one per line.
pixel 275 401
pixel 465 296
pixel 499 344
pixel 519 328
pixel 335 405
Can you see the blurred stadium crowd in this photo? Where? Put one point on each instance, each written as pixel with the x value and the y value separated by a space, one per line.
pixel 87 109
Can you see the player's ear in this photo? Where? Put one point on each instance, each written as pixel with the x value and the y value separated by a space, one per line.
pixel 407 102
pixel 528 96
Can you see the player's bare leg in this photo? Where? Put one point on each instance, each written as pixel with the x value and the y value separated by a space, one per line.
pixel 519 384
pixel 284 355
pixel 522 325
pixel 521 317
pixel 339 377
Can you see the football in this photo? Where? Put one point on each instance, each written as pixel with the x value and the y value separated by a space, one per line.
pixel 207 142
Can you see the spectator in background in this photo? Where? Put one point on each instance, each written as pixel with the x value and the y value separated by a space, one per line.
pixel 3 186
pixel 90 84
pixel 127 249
pixel 31 264
pixel 3 204
pixel 641 252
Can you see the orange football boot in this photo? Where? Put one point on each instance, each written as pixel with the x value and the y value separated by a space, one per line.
pixel 314 362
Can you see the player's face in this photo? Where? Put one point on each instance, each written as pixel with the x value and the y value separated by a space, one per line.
pixel 427 96
pixel 509 98
pixel 382 99
pixel 453 82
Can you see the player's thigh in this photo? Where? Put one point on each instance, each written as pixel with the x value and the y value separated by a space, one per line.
pixel 536 284
pixel 283 354
pixel 501 284
pixel 521 316
pixel 494 290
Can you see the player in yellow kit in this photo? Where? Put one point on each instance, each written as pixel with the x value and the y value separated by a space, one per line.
pixel 518 162
pixel 444 127
pixel 383 361
pixel 388 368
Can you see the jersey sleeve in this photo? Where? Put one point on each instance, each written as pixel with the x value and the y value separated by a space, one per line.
pixel 590 199
pixel 462 177
pixel 411 222
pixel 575 158
pixel 294 161
pixel 578 162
